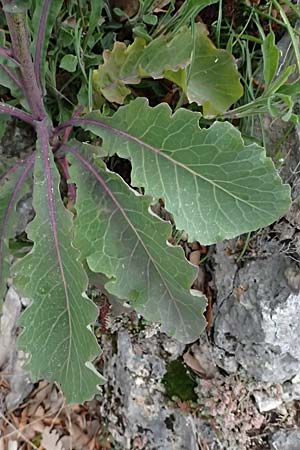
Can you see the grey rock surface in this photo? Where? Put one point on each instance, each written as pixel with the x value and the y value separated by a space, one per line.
pixel 255 316
pixel 135 394
pixel 11 360
pixel 286 440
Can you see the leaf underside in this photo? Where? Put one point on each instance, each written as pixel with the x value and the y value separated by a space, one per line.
pixel 215 186
pixel 120 238
pixel 56 332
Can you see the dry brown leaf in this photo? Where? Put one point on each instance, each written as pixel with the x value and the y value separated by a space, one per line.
pixel 193 364
pixel 195 257
pixel 51 440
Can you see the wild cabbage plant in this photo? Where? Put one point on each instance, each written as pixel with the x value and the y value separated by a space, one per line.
pixel 215 186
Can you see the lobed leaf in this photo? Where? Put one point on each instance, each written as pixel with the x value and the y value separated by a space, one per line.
pixel 215 186
pixel 212 79
pixel 12 189
pixel 128 65
pixel 56 325
pixel 121 239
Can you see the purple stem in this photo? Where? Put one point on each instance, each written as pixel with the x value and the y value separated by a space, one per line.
pixel 12 76
pixel 21 49
pixel 11 204
pixel 39 42
pixel 16 112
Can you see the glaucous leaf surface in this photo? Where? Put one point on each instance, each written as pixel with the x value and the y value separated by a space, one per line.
pixel 56 332
pixel 215 186
pixel 13 187
pixel 120 238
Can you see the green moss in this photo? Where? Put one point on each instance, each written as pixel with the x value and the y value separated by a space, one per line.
pixel 178 382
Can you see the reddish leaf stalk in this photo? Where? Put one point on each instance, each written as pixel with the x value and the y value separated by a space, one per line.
pixel 16 112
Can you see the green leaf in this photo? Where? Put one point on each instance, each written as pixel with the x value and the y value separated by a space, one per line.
pixel 213 80
pixel 69 63
pixel 56 332
pixel 8 82
pixel 44 16
pixel 4 118
pixel 282 78
pixel 150 19
pixel 95 15
pixel 187 13
pixel 270 58
pixel 214 185
pixel 120 238
pixel 12 189
pixel 127 65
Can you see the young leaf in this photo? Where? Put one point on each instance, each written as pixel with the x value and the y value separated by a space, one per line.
pixel 44 17
pixel 69 63
pixel 127 65
pixel 214 185
pixel 120 238
pixel 12 188
pixel 56 332
pixel 213 78
pixel 270 58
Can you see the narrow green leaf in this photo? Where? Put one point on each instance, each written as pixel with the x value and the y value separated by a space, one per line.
pixel 214 185
pixel 95 16
pixel 120 238
pixel 45 13
pixel 56 325
pixel 127 65
pixel 270 58
pixel 12 188
pixel 187 13
pixel 282 78
pixel 213 78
